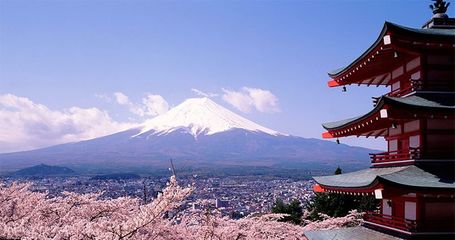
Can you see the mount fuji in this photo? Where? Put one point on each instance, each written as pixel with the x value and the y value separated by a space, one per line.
pixel 200 116
pixel 196 133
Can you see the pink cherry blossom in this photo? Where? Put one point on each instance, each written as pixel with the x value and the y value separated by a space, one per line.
pixel 32 215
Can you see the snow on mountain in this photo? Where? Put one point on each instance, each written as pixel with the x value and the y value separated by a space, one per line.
pixel 196 133
pixel 200 116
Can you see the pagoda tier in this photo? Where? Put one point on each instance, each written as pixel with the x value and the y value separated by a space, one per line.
pixel 400 58
pixel 391 111
pixel 414 200
pixel 418 128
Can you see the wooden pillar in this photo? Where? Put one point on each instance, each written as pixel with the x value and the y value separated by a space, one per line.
pixel 420 211
pixel 423 137
pixel 423 71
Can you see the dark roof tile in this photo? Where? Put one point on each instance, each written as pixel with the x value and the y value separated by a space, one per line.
pixel 413 176
pixel 431 100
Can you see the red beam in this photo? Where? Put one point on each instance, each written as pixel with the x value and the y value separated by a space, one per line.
pixel 380 133
pixel 333 83
pixel 366 189
pixel 371 81
pixel 317 188
pixel 383 79
pixel 327 135
pixel 369 134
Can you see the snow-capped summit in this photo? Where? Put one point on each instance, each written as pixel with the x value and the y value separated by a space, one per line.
pixel 200 116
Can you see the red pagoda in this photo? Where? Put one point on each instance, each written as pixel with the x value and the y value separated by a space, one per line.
pixel 414 179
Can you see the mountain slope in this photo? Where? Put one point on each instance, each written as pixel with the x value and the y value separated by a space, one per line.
pixel 196 133
pixel 44 170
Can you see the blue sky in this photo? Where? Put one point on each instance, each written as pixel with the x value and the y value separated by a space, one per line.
pixel 67 59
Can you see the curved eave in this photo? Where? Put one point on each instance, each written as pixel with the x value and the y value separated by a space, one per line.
pixel 336 73
pixel 388 28
pixel 369 189
pixel 333 126
pixel 420 100
pixel 360 181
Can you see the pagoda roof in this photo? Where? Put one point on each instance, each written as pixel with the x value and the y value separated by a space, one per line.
pixel 411 176
pixel 392 27
pixel 427 100
pixel 358 179
pixel 374 65
pixel 348 233
pixel 423 100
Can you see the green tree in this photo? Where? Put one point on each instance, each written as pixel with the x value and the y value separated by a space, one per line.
pixel 236 215
pixel 338 171
pixel 293 209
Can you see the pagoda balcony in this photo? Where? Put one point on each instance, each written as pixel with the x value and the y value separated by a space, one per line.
pixel 391 221
pixel 417 85
pixel 403 91
pixel 413 86
pixel 411 154
pixel 407 224
pixel 400 92
pixel 391 156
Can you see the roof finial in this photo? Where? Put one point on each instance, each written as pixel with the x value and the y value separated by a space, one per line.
pixel 439 8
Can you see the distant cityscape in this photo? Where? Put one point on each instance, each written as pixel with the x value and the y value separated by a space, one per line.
pixel 234 196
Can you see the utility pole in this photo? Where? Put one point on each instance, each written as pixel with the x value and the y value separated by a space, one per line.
pixel 145 191
pixel 172 168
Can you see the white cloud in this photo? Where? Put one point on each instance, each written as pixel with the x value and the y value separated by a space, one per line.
pixel 26 125
pixel 152 105
pixel 248 98
pixel 263 100
pixel 122 99
pixel 203 94
pixel 239 100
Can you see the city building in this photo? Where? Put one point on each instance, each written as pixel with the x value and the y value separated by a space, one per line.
pixel 414 179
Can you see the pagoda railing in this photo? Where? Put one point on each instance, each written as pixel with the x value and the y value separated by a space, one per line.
pixel 403 91
pixel 390 156
pixel 391 221
pixel 401 223
pixel 416 85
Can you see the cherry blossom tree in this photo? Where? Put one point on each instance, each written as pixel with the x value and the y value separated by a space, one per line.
pixel 25 214
pixel 31 215
pixel 354 218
